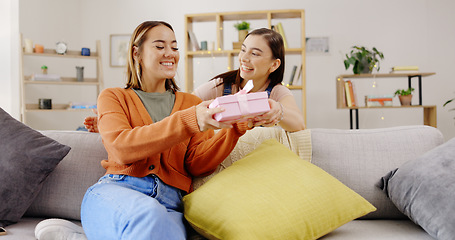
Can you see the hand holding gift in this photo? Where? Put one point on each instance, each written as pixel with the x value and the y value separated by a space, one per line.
pixel 241 106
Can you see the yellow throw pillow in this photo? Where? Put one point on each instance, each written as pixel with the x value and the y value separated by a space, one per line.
pixel 272 194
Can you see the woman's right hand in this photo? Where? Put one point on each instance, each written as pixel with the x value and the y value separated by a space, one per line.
pixel 205 118
pixel 91 123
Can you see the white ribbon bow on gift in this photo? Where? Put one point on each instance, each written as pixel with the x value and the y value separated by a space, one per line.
pixel 243 99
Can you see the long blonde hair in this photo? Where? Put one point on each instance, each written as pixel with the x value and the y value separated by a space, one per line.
pixel 134 68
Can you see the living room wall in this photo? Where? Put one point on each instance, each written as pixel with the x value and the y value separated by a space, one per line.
pixel 408 32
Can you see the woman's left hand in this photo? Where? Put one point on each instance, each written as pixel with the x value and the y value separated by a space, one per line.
pixel 271 118
pixel 205 118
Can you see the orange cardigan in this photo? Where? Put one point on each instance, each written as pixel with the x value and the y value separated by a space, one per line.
pixel 173 149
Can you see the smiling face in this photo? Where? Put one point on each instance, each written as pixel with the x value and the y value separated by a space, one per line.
pixel 256 60
pixel 158 56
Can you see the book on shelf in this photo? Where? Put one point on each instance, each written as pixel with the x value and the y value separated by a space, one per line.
pixel 298 75
pixel 378 100
pixel 298 78
pixel 193 41
pixel 291 79
pixel 82 105
pixel 350 96
pixel 279 28
pixel 405 69
pixel 45 77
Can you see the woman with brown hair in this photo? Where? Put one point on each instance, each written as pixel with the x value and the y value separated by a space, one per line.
pixel 157 139
pixel 261 59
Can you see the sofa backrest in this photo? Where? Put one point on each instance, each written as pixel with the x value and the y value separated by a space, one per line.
pixel 360 158
pixel 63 190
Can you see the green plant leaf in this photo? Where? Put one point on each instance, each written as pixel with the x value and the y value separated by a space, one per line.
pixel 363 60
pixel 449 101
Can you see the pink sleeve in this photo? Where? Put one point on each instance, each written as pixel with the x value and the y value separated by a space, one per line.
pixel 209 90
pixel 280 91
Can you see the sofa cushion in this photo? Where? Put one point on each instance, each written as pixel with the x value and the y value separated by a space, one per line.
pixel 272 194
pixel 26 158
pixel 299 142
pixel 424 190
pixel 64 189
pixel 358 158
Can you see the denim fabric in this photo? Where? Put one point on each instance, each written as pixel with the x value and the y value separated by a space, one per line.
pixel 125 207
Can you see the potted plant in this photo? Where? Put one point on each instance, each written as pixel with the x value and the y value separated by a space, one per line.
pixel 363 60
pixel 243 28
pixel 405 96
pixel 44 69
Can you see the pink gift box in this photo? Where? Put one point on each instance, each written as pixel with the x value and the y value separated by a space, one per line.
pixel 240 107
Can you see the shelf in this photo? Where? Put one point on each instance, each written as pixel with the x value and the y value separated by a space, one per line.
pixel 69 54
pixel 64 81
pixel 235 51
pixel 246 15
pixel 35 88
pixel 429 112
pixel 30 107
pixel 412 106
pixel 386 75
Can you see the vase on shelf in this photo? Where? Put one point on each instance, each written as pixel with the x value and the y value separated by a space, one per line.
pixel 405 100
pixel 242 35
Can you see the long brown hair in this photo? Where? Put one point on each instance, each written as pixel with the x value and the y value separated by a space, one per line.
pixel 134 68
pixel 276 44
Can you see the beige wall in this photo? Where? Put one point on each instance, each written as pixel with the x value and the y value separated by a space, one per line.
pixel 408 32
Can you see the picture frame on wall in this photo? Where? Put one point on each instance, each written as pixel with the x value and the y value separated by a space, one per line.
pixel 318 45
pixel 119 49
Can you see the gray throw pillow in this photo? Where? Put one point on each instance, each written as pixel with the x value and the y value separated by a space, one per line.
pixel 26 158
pixel 424 190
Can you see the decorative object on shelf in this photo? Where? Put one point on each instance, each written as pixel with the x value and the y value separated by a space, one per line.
pixel 243 28
pixel 363 60
pixel 61 48
pixel 80 73
pixel 28 45
pixel 85 51
pixel 44 69
pixel 405 96
pixel 204 45
pixel 45 103
pixel 119 49
pixel 39 48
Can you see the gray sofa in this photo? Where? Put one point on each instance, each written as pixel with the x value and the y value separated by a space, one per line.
pixel 358 158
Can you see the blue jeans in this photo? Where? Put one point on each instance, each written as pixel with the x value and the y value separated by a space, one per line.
pixel 125 207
